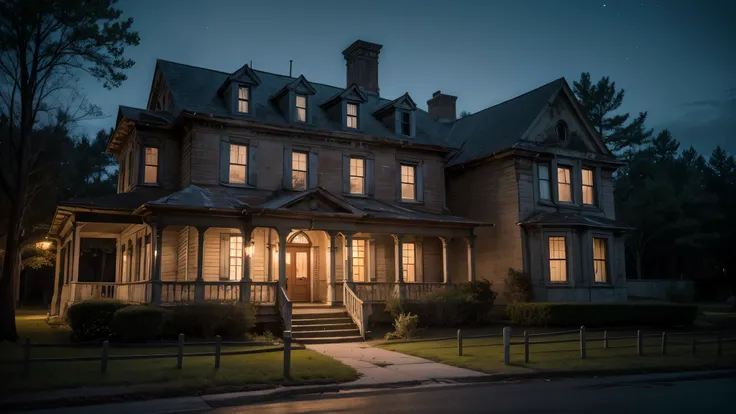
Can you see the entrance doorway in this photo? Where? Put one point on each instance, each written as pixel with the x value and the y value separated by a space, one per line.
pixel 298 268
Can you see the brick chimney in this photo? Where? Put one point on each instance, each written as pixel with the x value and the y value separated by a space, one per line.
pixel 362 63
pixel 442 107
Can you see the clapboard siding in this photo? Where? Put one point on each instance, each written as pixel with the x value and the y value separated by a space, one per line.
pixel 170 253
pixel 183 255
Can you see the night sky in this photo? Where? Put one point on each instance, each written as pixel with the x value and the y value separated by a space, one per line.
pixel 675 59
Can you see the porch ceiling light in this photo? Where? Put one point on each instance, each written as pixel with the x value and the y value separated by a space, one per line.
pixel 43 245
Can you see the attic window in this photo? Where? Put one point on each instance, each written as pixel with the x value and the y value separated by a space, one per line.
pixel 561 130
pixel 301 108
pixel 352 119
pixel 243 99
pixel 406 124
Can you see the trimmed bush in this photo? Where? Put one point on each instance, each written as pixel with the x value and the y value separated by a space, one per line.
pixel 405 327
pixel 601 314
pixel 92 319
pixel 207 319
pixel 518 287
pixel 139 323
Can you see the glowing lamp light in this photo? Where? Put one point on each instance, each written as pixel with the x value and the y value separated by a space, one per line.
pixel 43 245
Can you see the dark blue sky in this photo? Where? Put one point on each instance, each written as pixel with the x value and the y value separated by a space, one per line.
pixel 675 59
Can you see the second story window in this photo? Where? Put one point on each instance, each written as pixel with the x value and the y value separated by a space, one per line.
pixel 588 187
pixel 301 108
pixel 150 169
pixel 352 117
pixel 357 176
pixel 298 170
pixel 406 124
pixel 564 184
pixel 243 99
pixel 408 182
pixel 544 187
pixel 238 164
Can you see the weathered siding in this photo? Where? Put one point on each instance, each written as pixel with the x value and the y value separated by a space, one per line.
pixel 185 169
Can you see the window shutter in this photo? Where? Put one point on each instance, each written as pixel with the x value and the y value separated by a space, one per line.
pixel 419 260
pixel 372 259
pixel 346 174
pixel 369 177
pixel 420 182
pixel 312 170
pixel 287 168
pixel 224 256
pixel 224 161
pixel 252 165
pixel 398 182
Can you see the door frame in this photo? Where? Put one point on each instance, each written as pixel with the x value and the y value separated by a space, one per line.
pixel 292 247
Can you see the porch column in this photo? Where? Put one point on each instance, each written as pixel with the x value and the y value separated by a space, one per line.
pixel 199 286
pixel 157 232
pixel 399 261
pixel 446 276
pixel 269 257
pixel 471 258
pixel 58 279
pixel 74 265
pixel 332 260
pixel 348 257
pixel 247 231
pixel 283 234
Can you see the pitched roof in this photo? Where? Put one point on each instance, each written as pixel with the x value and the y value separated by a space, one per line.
pixel 500 126
pixel 121 201
pixel 195 89
pixel 573 220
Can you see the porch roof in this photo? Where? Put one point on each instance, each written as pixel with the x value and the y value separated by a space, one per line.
pixel 558 219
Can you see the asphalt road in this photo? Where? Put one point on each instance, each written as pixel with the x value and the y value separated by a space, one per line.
pixel 560 396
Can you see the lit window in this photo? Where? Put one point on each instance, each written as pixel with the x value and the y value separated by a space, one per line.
pixel 298 170
pixel 407 255
pixel 243 99
pixel 405 123
pixel 357 176
pixel 236 258
pixel 600 254
pixel 557 259
pixel 238 163
pixel 150 170
pixel 408 183
pixel 544 188
pixel 352 116
pixel 301 108
pixel 359 262
pixel 588 187
pixel 564 187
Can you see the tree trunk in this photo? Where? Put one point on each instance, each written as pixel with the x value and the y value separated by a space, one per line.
pixel 8 330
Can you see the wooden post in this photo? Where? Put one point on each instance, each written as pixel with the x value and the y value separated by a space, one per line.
pixel 664 343
pixel 180 351
pixel 459 343
pixel 507 345
pixel 27 356
pixel 103 360
pixel 218 349
pixel 583 353
pixel 605 339
pixel 695 345
pixel 639 343
pixel 287 354
pixel 719 350
pixel 526 346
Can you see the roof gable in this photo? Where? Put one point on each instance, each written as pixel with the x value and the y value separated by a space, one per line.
pixel 403 102
pixel 315 200
pixel 351 93
pixel 300 85
pixel 244 75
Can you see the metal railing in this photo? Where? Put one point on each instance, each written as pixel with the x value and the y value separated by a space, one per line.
pixel 355 308
pixel 284 305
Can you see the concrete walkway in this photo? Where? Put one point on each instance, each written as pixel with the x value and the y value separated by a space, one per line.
pixel 380 366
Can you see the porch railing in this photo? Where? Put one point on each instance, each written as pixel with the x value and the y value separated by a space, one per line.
pixel 284 305
pixel 384 291
pixel 415 291
pixel 134 292
pixel 356 308
pixel 261 293
pixel 94 290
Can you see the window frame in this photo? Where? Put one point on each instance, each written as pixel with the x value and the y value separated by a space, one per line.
pixel 570 169
pixel 146 164
pixel 355 116
pixel 231 164
pixel 294 170
pixel 565 131
pixel 409 247
pixel 361 177
pixel 360 262
pixel 605 260
pixel 240 99
pixel 298 108
pixel 541 181
pixel 564 260
pixel 413 183
pixel 405 122
pixel 238 266
pixel 592 186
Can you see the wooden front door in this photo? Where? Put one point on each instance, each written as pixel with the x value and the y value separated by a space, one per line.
pixel 298 274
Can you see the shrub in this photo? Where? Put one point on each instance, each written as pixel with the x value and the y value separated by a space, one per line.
pixel 518 287
pixel 207 319
pixel 92 319
pixel 601 314
pixel 405 327
pixel 139 323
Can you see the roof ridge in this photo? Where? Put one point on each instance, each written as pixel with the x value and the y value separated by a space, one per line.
pixel 192 66
pixel 512 99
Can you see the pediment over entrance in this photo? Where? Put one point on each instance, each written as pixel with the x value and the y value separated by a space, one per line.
pixel 316 200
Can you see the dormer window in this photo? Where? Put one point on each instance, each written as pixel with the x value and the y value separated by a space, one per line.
pixel 405 123
pixel 352 118
pixel 243 99
pixel 301 108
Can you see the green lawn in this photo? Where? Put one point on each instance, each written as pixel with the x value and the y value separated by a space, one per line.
pixel 198 373
pixel 486 355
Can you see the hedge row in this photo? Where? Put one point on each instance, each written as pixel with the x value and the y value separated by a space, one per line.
pixel 601 314
pixel 106 319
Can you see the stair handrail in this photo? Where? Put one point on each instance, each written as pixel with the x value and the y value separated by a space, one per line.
pixel 355 308
pixel 284 308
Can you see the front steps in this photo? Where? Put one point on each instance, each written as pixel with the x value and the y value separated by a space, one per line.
pixel 321 324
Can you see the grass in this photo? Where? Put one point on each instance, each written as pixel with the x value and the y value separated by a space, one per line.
pixel 486 355
pixel 198 373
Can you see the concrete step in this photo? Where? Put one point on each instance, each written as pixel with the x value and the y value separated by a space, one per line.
pixel 321 321
pixel 329 333
pixel 320 315
pixel 329 340
pixel 322 327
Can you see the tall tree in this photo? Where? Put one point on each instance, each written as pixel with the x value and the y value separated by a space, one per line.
pixel 44 44
pixel 601 101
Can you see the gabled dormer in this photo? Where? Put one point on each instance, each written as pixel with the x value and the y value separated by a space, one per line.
pixel 346 108
pixel 399 116
pixel 296 100
pixel 238 89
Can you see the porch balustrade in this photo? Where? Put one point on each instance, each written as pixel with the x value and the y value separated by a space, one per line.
pixel 94 290
pixel 384 291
